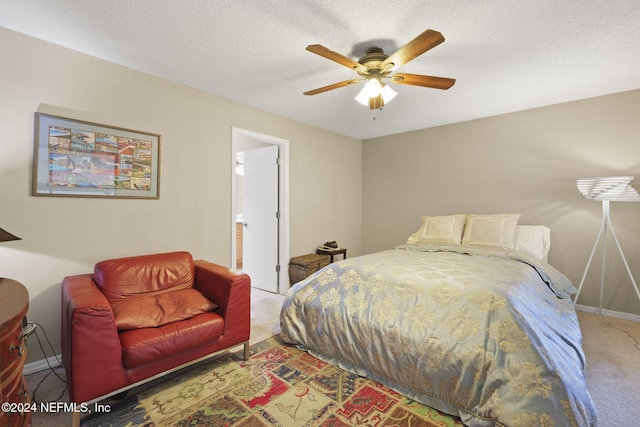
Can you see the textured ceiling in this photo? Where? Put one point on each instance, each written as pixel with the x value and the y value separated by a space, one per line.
pixel 507 55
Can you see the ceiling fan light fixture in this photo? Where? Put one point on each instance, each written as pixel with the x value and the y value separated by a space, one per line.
pixel 372 88
pixel 387 93
pixel 375 94
pixel 362 98
pixel 376 103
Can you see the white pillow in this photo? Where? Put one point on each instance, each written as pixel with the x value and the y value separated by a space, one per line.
pixel 442 230
pixel 533 239
pixel 490 230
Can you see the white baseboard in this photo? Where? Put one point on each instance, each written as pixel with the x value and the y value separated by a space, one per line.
pixel 610 313
pixel 42 364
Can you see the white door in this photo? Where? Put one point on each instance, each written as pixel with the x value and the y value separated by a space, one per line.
pixel 260 234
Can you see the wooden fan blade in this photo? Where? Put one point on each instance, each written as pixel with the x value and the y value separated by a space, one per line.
pixel 333 86
pixel 336 57
pixel 416 47
pixel 420 80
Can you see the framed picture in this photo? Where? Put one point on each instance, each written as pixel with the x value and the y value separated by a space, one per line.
pixel 74 158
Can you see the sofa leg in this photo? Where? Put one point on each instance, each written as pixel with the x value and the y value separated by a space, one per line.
pixel 75 419
pixel 246 351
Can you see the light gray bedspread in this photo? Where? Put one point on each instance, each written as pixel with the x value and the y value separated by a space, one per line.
pixel 486 335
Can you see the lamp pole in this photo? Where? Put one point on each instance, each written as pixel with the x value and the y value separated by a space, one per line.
pixel 604 228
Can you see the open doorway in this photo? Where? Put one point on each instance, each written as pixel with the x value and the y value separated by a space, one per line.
pixel 260 208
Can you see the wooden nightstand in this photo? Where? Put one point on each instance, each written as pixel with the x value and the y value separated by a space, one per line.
pixel 332 253
pixel 14 302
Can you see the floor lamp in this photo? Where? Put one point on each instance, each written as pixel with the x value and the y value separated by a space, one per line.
pixel 607 189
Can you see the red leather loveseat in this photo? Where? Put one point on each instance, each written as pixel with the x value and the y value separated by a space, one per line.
pixel 138 317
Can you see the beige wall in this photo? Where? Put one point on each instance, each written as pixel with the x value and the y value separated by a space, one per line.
pixel 524 162
pixel 66 236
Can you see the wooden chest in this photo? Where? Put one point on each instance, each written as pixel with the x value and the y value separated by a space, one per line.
pixel 303 266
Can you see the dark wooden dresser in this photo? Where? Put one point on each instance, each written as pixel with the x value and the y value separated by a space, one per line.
pixel 14 302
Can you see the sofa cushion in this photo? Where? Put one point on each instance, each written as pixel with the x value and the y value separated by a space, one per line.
pixel 141 346
pixel 150 311
pixel 123 277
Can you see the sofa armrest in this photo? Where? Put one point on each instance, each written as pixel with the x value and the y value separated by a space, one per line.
pixel 231 291
pixel 91 351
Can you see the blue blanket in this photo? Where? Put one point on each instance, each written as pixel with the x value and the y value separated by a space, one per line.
pixel 487 335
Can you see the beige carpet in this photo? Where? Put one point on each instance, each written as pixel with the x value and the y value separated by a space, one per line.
pixel 611 346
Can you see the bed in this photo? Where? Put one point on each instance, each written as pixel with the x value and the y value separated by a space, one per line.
pixel 466 317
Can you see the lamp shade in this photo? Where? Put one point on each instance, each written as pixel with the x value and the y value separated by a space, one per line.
pixel 375 94
pixel 609 188
pixel 5 236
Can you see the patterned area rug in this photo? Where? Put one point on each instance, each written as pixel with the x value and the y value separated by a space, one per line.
pixel 280 385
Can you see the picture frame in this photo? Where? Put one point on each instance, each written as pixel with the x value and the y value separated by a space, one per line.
pixel 75 158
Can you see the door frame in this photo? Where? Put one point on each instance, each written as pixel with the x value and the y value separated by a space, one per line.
pixel 238 137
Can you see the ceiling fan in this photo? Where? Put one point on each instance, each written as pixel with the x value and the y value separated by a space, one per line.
pixel 375 65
